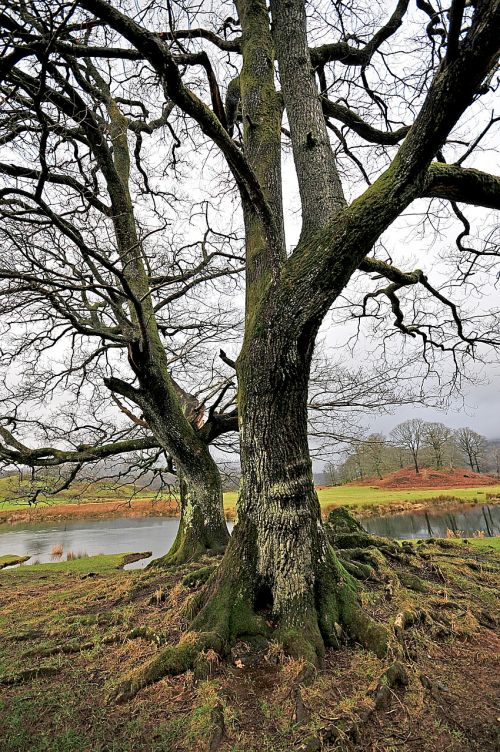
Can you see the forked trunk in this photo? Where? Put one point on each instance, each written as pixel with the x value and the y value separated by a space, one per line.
pixel 279 568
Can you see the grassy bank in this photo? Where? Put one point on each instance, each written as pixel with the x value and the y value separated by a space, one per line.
pixel 367 500
pixel 487 544
pixel 70 630
pixel 8 560
pixel 98 501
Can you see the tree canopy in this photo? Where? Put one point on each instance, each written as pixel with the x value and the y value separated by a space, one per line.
pixel 371 111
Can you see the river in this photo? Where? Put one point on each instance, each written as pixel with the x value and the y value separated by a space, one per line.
pixel 156 534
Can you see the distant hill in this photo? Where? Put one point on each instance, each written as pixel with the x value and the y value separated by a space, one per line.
pixel 458 477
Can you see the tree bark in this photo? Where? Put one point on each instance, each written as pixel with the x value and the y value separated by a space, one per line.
pixel 202 527
pixel 280 575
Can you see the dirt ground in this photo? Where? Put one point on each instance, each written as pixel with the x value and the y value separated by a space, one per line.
pixel 68 637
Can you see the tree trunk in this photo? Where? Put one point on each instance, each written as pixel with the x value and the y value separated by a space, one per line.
pixel 279 568
pixel 415 462
pixel 202 527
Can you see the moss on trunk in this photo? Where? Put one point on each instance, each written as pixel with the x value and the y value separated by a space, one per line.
pixel 202 527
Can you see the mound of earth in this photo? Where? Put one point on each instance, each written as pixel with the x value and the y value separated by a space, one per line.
pixel 407 478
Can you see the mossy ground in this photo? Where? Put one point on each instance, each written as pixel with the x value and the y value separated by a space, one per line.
pixel 8 560
pixel 91 629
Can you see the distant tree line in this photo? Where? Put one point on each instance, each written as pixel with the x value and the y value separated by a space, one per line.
pixel 418 443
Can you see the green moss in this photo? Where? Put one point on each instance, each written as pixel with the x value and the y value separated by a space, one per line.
pixel 9 560
pixel 369 633
pixel 412 582
pixel 304 643
pixel 198 577
pixel 340 520
pixel 98 564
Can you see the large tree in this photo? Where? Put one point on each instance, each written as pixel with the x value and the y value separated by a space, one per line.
pixel 410 434
pixel 279 573
pixel 473 447
pixel 79 261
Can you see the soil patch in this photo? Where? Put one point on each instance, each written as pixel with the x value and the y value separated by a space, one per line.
pixel 83 633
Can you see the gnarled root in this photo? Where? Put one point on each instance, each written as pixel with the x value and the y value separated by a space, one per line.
pixel 170 661
pixel 340 611
pixel 218 614
pixel 187 549
pixel 233 603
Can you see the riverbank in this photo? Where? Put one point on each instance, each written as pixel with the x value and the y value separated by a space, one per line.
pixel 70 632
pixel 105 509
pixel 365 501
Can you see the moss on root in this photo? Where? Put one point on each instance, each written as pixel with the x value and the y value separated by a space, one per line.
pixel 339 605
pixel 186 548
pixel 225 608
pixel 198 577
pixel 171 661
pixel 304 642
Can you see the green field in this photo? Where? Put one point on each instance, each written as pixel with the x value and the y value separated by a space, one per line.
pixel 361 498
pixel 486 543
pixel 364 497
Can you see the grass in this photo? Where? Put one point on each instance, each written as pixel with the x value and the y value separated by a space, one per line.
pixel 486 543
pixel 71 555
pixel 87 631
pixel 83 565
pixel 9 559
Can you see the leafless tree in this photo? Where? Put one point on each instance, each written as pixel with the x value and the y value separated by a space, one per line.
pixel 373 113
pixel 89 265
pixel 410 434
pixel 472 445
pixel 437 438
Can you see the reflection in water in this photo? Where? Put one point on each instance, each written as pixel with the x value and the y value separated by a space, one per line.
pixel 468 520
pixel 93 537
pixel 157 534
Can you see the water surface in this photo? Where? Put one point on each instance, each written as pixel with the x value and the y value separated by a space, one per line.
pixel 156 534
pixel 104 536
pixel 466 521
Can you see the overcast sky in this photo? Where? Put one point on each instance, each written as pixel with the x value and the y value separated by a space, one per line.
pixel 480 410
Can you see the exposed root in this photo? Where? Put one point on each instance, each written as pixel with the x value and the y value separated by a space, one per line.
pixel 230 606
pixel 186 552
pixel 406 619
pixel 218 614
pixel 67 649
pixel 345 733
pixel 28 674
pixel 170 661
pixel 338 605
pixel 357 569
pixel 198 577
pixel 192 543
